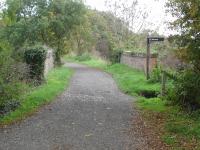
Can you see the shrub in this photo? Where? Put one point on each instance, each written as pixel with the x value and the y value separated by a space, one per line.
pixel 156 75
pixel 115 56
pixel 83 57
pixel 10 96
pixel 11 74
pixel 35 57
pixel 187 88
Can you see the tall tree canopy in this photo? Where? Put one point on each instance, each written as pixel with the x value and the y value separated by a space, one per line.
pixel 47 21
pixel 187 23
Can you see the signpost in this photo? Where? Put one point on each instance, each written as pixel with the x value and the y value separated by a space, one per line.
pixel 149 41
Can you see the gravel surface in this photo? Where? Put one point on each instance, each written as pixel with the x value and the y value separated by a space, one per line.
pixel 91 115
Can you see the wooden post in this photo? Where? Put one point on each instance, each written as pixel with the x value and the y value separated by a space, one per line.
pixel 148 59
pixel 164 79
pixel 149 40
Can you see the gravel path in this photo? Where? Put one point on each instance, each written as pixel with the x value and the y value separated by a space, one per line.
pixel 91 115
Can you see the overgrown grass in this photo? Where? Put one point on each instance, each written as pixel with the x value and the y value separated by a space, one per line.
pixel 179 129
pixel 131 81
pixel 57 80
pixel 152 104
pixel 90 61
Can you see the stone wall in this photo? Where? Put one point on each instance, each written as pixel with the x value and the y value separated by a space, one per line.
pixel 171 61
pixel 49 62
pixel 138 61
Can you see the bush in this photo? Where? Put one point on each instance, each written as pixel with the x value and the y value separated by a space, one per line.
pixel 115 56
pixel 187 88
pixel 156 75
pixel 11 75
pixel 10 96
pixel 35 57
pixel 83 57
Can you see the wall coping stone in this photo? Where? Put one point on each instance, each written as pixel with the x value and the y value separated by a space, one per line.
pixel 134 54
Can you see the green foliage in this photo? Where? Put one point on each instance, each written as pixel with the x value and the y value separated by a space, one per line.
pixel 188 50
pixel 156 75
pixel 48 22
pixel 170 94
pixel 169 139
pixel 66 15
pixel 35 57
pixel 10 96
pixel 56 82
pixel 137 43
pixel 188 18
pixel 152 104
pixel 131 81
pixel 10 86
pixel 187 88
pixel 82 38
pixel 178 126
pixel 83 57
pixel 110 36
pixel 184 125
pixel 93 62
pixel 100 31
pixel 115 56
pixel 24 23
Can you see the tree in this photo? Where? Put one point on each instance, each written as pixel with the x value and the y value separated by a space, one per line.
pixel 48 22
pixel 187 23
pixel 82 37
pixel 129 12
pixel 65 15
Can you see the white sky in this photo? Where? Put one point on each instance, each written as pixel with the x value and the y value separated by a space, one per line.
pixel 157 13
pixel 156 8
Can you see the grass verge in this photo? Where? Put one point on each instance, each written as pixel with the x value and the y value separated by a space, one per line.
pixel 56 82
pixel 177 129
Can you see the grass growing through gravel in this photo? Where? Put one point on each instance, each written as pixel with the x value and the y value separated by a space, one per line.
pixel 56 81
pixel 176 128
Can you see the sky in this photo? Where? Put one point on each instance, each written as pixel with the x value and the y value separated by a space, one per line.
pixel 157 19
pixel 157 16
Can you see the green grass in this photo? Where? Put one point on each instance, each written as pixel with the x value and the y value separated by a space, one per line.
pixel 56 82
pixel 169 139
pixel 131 81
pixel 90 61
pixel 179 127
pixel 97 63
pixel 152 104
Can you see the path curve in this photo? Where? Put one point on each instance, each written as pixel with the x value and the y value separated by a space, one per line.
pixel 91 115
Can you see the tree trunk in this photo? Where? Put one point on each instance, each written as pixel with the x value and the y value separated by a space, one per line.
pixel 58 54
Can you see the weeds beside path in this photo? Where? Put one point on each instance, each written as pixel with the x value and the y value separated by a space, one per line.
pixel 56 82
